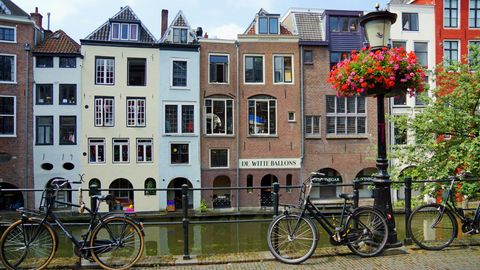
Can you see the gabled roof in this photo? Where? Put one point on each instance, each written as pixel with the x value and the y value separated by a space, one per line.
pixel 7 7
pixel 125 14
pixel 179 21
pixel 262 12
pixel 309 26
pixel 58 43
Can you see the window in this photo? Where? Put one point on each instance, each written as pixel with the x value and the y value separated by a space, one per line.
pixel 218 158
pixel 291 116
pixel 180 35
pixel 96 150
pixel 179 115
pixel 346 116
pixel 336 57
pixel 273 26
pixel 104 70
pixel 418 97
pixel 104 111
pixel 68 129
pixel 218 116
pixel 124 31
pixel 135 112
pixel 421 50
pixel 399 44
pixel 254 69
pixel 137 71
pixel 450 13
pixel 410 21
pixel 144 150
pixel 68 94
pixel 7 115
pixel 44 61
pixel 400 100
pixel 68 62
pixel 262 115
pixel 471 60
pixel 268 25
pixel 312 125
pixel 44 95
pixel 150 187
pixel 7 34
pixel 474 15
pixel 250 183
pixel 179 153
pixel 120 150
pixel 44 130
pixel 282 69
pixel 400 135
pixel 263 25
pixel 343 24
pixel 450 52
pixel 308 57
pixel 288 184
pixel 218 69
pixel 7 68
pixel 179 73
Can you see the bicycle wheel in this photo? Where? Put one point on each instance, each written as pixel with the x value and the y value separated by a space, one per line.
pixel 28 245
pixel 291 238
pixel 366 232
pixel 432 227
pixel 117 243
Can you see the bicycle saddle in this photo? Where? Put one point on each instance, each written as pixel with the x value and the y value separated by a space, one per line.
pixel 347 196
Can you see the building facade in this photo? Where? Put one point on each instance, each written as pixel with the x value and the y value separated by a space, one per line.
pixel 57 112
pixel 120 112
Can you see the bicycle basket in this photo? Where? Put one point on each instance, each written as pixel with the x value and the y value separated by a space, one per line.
pixel 305 191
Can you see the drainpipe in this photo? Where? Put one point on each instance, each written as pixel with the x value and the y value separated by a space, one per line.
pixel 237 124
pixel 302 115
pixel 27 48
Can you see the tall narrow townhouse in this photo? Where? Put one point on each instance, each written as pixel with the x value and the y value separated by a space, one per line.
pixel 219 91
pixel 339 132
pixel 179 104
pixel 120 111
pixel 269 110
pixel 57 112
pixel 19 33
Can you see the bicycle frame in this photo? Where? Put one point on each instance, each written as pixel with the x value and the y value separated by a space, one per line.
pixel 449 202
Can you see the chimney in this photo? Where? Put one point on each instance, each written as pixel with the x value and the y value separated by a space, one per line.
pixel 37 17
pixel 206 35
pixel 199 32
pixel 164 21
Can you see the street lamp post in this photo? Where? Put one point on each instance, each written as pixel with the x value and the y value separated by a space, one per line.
pixel 377 30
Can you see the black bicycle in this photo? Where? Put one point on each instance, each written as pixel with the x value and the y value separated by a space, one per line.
pixel 434 226
pixel 292 237
pixel 113 241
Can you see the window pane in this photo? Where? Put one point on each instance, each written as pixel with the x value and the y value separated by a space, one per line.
pixel 7 34
pixel 7 68
pixel 115 30
pixel 133 31
pixel 273 27
pixel 263 25
pixel 278 62
pixel 331 125
pixel 341 104
pixel 44 61
pixel 219 158
pixel 351 125
pixel 351 105
pixel 68 130
pixel 136 72
pixel 44 130
pixel 68 94
pixel 170 118
pixel 361 125
pixel 187 119
pixel 218 117
pixel 179 154
pixel 179 73
pixel 44 94
pixel 341 125
pixel 330 104
pixel 360 104
pixel 68 62
pixel 308 57
pixel 288 69
pixel 124 31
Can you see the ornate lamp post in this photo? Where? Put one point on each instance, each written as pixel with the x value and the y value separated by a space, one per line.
pixel 377 29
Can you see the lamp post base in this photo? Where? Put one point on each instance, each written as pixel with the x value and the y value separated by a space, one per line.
pixel 382 202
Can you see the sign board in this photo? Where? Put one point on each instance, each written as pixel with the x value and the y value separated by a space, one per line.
pixel 270 163
pixel 328 179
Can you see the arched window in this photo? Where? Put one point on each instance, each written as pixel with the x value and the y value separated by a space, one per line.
pixel 95 182
pixel 262 115
pixel 150 187
pixel 249 183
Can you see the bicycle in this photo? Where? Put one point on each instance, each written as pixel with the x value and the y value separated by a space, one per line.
pixel 292 237
pixel 113 241
pixel 436 224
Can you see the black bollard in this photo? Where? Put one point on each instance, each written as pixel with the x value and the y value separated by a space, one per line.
pixel 185 221
pixel 408 208
pixel 276 189
pixel 356 187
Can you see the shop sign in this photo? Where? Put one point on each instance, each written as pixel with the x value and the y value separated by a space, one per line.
pixel 270 163
pixel 328 179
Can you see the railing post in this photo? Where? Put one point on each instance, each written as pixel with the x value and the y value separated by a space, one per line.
pixel 356 187
pixel 93 190
pixel 276 189
pixel 185 221
pixel 408 208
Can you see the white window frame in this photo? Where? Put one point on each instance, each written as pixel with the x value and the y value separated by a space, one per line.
pixel 118 32
pixel 99 111
pixel 226 124
pixel 120 142
pixel 179 106
pixel 210 158
pixel 14 68
pixel 470 27
pixel 180 29
pixel 267 100
pixel 294 119
pixel 459 48
pixel 186 87
pixel 170 154
pixel 14 117
pixel 312 119
pixel 228 67
pixel 346 114
pixel 283 66
pixel 245 70
pixel 135 104
pixel 105 63
pixel 14 34
pixel 97 142
pixel 144 143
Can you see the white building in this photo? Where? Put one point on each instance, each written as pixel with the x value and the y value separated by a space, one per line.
pixel 56 112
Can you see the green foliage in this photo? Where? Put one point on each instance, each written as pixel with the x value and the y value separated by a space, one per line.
pixel 470 190
pixel 203 205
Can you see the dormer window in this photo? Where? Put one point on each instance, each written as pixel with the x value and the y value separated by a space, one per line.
pixel 180 35
pixel 124 31
pixel 268 25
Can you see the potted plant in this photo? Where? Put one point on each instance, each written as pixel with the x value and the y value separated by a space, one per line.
pixel 391 72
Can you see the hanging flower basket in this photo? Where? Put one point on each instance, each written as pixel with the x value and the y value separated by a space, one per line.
pixel 391 72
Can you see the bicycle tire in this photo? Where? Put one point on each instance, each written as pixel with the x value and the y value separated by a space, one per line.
pixel 127 239
pixel 366 232
pixel 28 244
pixel 287 247
pixel 423 226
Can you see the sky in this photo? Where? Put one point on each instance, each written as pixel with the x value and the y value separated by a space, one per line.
pixel 219 18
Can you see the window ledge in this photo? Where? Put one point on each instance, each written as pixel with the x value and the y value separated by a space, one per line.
pixel 8 82
pixel 313 137
pixel 347 137
pixel 308 63
pixel 218 83
pixel 262 136
pixel 180 135
pixel 179 88
pixel 219 135
pixel 254 83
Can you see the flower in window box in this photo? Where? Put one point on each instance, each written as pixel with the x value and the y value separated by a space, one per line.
pixel 391 72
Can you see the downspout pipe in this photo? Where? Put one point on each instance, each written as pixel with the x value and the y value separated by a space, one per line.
pixel 27 48
pixel 302 113
pixel 237 118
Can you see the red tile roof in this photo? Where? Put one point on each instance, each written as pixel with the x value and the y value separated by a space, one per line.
pixel 58 43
